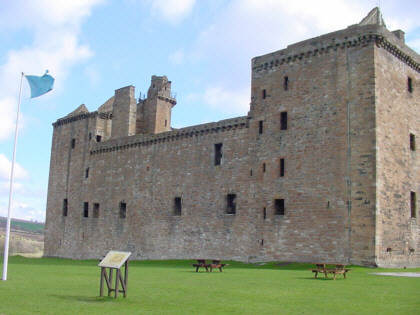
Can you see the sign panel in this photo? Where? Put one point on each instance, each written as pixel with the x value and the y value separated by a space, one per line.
pixel 114 259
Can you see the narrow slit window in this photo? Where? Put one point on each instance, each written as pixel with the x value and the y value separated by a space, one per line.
pixel 123 210
pixel 166 123
pixel 231 204
pixel 413 203
pixel 250 172
pixel 177 206
pixel 286 83
pixel 90 136
pixel 87 172
pixel 279 206
pixel 412 142
pixel 281 167
pixel 283 120
pixel 65 207
pixel 260 127
pixel 410 85
pixel 86 209
pixel 73 143
pixel 263 167
pixel 218 153
pixel 98 138
pixel 96 210
pixel 264 94
pixel 265 213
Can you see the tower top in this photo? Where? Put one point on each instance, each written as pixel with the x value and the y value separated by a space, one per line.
pixel 373 17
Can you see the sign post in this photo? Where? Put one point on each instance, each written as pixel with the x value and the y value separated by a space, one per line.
pixel 114 260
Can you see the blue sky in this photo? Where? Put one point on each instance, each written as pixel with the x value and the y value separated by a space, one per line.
pixel 93 47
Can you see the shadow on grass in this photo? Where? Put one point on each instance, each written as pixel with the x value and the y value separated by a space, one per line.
pixel 85 299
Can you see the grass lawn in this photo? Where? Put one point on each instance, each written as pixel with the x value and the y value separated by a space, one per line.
pixel 61 286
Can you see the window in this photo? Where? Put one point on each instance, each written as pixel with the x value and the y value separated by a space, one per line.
pixel 166 123
pixel 231 204
pixel 73 143
pixel 96 210
pixel 98 138
pixel 260 126
pixel 177 205
pixel 90 136
pixel 413 201
pixel 65 207
pixel 283 120
pixel 410 85
pixel 286 83
pixel 86 209
pixel 123 210
pixel 250 172
pixel 279 206
pixel 281 167
pixel 263 167
pixel 87 173
pixel 412 142
pixel 264 94
pixel 265 213
pixel 218 153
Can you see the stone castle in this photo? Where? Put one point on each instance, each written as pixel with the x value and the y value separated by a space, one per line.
pixel 324 168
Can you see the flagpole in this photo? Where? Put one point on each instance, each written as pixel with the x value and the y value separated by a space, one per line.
pixel 6 241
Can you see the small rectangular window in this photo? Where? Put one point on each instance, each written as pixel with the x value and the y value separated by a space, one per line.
pixel 123 210
pixel 177 206
pixel 263 167
pixel 65 207
pixel 265 213
pixel 218 153
pixel 231 204
pixel 413 203
pixel 86 209
pixel 283 120
pixel 286 83
pixel 279 206
pixel 73 143
pixel 260 127
pixel 90 136
pixel 264 94
pixel 281 167
pixel 96 210
pixel 412 142
pixel 87 173
pixel 166 123
pixel 98 138
pixel 410 85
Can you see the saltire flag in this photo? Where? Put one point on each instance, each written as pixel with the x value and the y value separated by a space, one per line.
pixel 40 85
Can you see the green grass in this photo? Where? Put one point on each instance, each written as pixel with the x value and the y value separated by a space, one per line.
pixel 22 225
pixel 61 286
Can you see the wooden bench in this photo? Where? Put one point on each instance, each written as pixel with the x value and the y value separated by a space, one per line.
pixel 217 264
pixel 339 270
pixel 320 268
pixel 201 263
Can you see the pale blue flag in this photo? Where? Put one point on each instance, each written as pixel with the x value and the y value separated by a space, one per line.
pixel 40 85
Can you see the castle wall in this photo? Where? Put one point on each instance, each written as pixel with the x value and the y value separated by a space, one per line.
pixel 397 110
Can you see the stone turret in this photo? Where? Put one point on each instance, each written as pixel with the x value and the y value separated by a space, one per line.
pixel 154 112
pixel 124 113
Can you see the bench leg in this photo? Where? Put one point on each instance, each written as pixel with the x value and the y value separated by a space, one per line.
pixel 196 269
pixel 334 275
pixel 326 274
pixel 220 268
pixel 316 274
pixel 207 269
pixel 344 274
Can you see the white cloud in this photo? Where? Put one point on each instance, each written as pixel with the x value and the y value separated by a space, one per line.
pixel 55 26
pixel 172 11
pixel 177 57
pixel 227 101
pixel 5 167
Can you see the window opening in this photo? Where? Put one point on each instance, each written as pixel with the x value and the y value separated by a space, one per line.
pixel 413 202
pixel 231 204
pixel 265 213
pixel 73 143
pixel 264 94
pixel 218 153
pixel 412 142
pixel 286 83
pixel 177 206
pixel 281 167
pixel 260 126
pixel 279 206
pixel 283 120
pixel 410 85
pixel 65 207
pixel 263 167
pixel 86 209
pixel 123 210
pixel 98 138
pixel 87 173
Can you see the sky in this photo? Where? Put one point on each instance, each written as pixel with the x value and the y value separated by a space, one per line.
pixel 93 47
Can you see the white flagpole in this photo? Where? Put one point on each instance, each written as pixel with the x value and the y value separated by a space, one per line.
pixel 6 241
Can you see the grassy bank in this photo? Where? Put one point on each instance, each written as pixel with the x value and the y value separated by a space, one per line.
pixel 60 286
